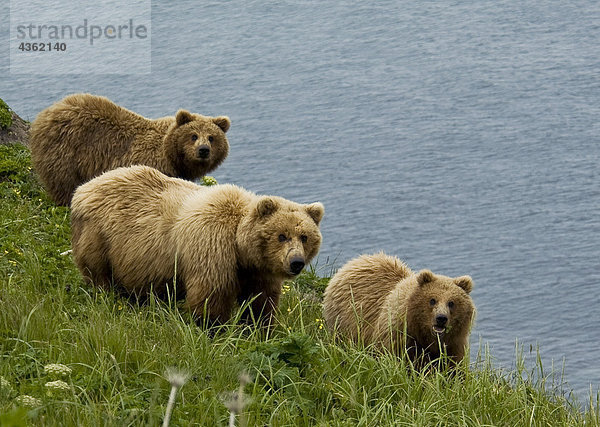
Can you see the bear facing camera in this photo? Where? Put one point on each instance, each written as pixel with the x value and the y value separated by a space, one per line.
pixel 378 300
pixel 83 135
pixel 139 230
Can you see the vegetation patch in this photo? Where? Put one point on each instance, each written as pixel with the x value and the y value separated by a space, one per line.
pixel 73 355
pixel 13 129
pixel 5 115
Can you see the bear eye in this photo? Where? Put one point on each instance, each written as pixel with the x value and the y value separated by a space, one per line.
pixel 451 304
pixel 194 137
pixel 432 301
pixel 303 238
pixel 210 139
pixel 282 238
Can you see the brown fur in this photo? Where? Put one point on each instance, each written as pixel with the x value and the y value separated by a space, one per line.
pixel 137 227
pixel 83 135
pixel 378 299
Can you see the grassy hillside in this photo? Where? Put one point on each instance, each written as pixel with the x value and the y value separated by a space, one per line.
pixel 118 352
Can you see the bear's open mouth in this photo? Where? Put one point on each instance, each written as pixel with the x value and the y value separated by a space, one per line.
pixel 439 329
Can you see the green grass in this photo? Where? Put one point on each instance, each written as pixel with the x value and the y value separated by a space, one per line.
pixel 119 351
pixel 5 115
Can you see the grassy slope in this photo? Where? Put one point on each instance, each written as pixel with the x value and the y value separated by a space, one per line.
pixel 119 351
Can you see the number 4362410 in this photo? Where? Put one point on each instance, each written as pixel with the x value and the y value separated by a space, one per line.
pixel 42 47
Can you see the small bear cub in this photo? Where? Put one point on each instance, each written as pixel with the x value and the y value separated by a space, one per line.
pixel 378 300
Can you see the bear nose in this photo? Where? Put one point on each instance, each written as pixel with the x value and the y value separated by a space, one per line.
pixel 441 319
pixel 296 265
pixel 203 151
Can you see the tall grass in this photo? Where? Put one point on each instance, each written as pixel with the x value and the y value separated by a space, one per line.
pixel 119 351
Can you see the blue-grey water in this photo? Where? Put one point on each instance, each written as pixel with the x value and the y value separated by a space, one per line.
pixel 461 136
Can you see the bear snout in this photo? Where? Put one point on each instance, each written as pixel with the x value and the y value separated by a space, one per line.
pixel 439 327
pixel 203 152
pixel 441 320
pixel 296 264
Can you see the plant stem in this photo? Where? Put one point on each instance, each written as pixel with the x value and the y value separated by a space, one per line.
pixel 170 406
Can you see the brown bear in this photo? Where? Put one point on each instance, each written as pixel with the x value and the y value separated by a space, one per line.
pixel 378 300
pixel 139 229
pixel 83 135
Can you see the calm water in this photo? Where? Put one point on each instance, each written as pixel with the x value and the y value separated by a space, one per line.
pixel 460 136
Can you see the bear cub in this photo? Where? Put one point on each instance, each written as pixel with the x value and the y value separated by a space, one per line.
pixel 378 300
pixel 83 135
pixel 138 229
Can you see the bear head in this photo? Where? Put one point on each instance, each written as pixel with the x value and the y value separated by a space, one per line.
pixel 279 237
pixel 439 310
pixel 197 144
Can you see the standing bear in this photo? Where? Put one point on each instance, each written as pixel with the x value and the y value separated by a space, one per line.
pixel 140 230
pixel 83 135
pixel 378 300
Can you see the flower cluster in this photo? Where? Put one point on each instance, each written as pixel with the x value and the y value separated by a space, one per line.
pixel 208 181
pixel 319 323
pixel 29 401
pixel 285 289
pixel 4 384
pixel 176 377
pixel 57 385
pixel 57 370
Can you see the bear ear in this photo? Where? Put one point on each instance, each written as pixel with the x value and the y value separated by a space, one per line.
pixel 266 206
pixel 425 276
pixel 182 117
pixel 315 211
pixel 223 122
pixel 464 282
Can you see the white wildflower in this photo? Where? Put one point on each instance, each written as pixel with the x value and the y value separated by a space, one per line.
pixel 57 370
pixel 5 385
pixel 29 401
pixel 177 380
pixel 237 400
pixel 57 385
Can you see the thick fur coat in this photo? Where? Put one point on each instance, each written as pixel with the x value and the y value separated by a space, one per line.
pixel 84 135
pixel 378 300
pixel 137 228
